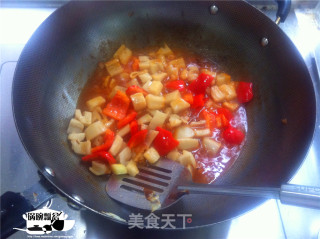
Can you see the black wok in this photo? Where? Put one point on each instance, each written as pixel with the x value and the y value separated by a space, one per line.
pixel 63 52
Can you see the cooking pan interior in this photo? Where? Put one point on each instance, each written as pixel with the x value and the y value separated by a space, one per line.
pixel 65 49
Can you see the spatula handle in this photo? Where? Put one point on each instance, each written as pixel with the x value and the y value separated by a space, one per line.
pixel 298 195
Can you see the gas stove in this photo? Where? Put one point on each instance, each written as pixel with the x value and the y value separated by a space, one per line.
pixel 269 220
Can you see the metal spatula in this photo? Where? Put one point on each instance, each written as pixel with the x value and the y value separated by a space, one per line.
pixel 170 180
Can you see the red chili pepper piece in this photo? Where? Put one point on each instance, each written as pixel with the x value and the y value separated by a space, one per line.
pixel 127 119
pixel 134 127
pixel 108 140
pixel 137 139
pixel 117 108
pixel 199 85
pixel 233 136
pixel 176 85
pixel 135 89
pixel 244 92
pixel 164 142
pixel 198 101
pixel 101 155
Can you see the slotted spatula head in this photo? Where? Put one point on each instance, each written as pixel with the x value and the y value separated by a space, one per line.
pixel 159 180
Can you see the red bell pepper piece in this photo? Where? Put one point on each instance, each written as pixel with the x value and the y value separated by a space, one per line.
pixel 176 85
pixel 135 64
pixel 210 118
pixel 135 89
pixel 233 136
pixel 164 142
pixel 199 85
pixel 188 97
pixel 137 139
pixel 127 119
pixel 118 106
pixel 221 121
pixel 198 101
pixel 227 113
pixel 134 127
pixel 108 141
pixel 244 92
pixel 101 155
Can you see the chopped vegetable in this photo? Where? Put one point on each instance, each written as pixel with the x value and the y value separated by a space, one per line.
pixel 85 119
pixel 188 143
pixel 229 91
pixel 152 134
pixel 210 118
pixel 173 155
pixel 75 126
pixel 211 145
pixel 188 97
pixel 183 132
pixel 200 85
pixel 216 94
pixel 159 76
pixel 95 102
pixel 134 89
pixel 164 142
pixel 179 105
pixel 124 131
pixel 132 168
pixel 145 119
pixel 172 96
pixel 135 64
pixel 233 106
pixel 176 85
pixel 124 156
pixel 187 159
pixel 114 67
pixel 174 120
pixel 98 168
pixel 145 77
pixel 118 106
pixel 155 87
pixel 202 132
pixel 159 104
pixel 101 155
pixel 223 78
pixel 108 140
pixel 137 139
pixel 233 136
pixel 158 120
pixel 116 145
pixel 244 92
pixel 134 127
pixel 82 148
pixel 123 54
pixel 130 117
pixel 94 130
pixel 155 102
pixel 118 169
pixel 151 155
pixel 198 101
